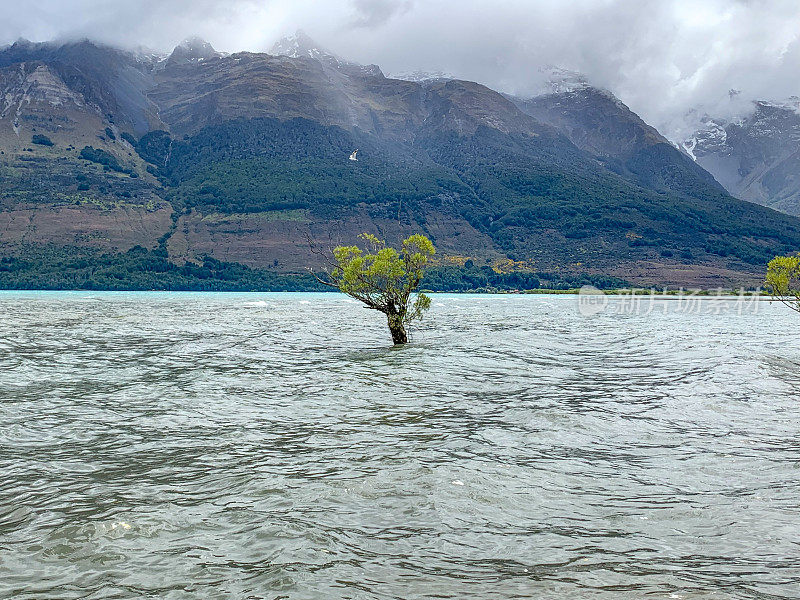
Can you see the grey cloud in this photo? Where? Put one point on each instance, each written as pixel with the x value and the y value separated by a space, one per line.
pixel 664 58
pixel 372 13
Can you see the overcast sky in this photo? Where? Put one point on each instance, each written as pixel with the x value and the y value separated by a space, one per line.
pixel 661 57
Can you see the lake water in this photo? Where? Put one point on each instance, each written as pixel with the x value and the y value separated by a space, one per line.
pixel 276 446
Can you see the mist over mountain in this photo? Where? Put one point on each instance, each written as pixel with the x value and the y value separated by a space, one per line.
pixel 597 122
pixel 755 156
pixel 688 70
pixel 661 58
pixel 162 167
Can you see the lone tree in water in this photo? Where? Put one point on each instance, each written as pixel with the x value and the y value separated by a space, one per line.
pixel 384 278
pixel 783 280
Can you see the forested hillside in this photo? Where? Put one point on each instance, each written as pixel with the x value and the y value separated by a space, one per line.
pixel 214 170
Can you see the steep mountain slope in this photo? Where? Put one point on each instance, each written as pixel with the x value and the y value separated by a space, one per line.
pixel 244 155
pixel 191 50
pixel 111 81
pixel 756 158
pixel 247 85
pixel 49 193
pixel 445 147
pixel 300 45
pixel 599 123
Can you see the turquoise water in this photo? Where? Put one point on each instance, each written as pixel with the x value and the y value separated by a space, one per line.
pixel 276 446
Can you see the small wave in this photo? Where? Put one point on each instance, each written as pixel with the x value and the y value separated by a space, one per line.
pixel 571 440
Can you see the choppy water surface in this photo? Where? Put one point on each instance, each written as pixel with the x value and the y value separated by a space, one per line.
pixel 276 446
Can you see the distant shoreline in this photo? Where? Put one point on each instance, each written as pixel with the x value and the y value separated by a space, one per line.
pixel 642 292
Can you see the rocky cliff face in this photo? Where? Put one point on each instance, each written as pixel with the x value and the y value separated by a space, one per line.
pixel 237 157
pixel 56 101
pixel 192 50
pixel 112 82
pixel 756 158
pixel 300 45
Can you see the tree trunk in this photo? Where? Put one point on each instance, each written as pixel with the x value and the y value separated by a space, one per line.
pixel 399 335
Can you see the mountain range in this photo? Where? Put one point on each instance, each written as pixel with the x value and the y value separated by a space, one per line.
pixel 756 156
pixel 212 171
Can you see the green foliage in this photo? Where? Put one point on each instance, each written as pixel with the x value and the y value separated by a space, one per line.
pixel 535 184
pixel 384 278
pixel 42 140
pixel 472 278
pixel 110 134
pixel 783 280
pixel 100 156
pixel 50 267
pixel 265 164
pixel 128 138
pixel 154 147
pixel 659 166
pixel 66 268
pixel 536 198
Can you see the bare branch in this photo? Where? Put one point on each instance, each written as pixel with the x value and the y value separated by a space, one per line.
pixel 320 280
pixel 327 257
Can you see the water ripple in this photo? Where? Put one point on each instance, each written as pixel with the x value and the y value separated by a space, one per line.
pixel 274 446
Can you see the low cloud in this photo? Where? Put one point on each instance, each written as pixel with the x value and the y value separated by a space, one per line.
pixel 374 13
pixel 664 58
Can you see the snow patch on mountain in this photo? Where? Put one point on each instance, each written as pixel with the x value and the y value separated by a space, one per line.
pixel 710 136
pixel 557 81
pixel 764 119
pixel 751 147
pixel 689 147
pixel 300 45
pixel 423 76
pixel 562 81
pixel 193 50
pixel 792 103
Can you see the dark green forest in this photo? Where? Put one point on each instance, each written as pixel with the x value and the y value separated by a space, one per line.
pixel 508 186
pixel 72 268
pixel 67 268
pixel 539 199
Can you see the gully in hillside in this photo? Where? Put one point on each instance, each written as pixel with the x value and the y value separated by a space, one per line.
pixel 383 278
